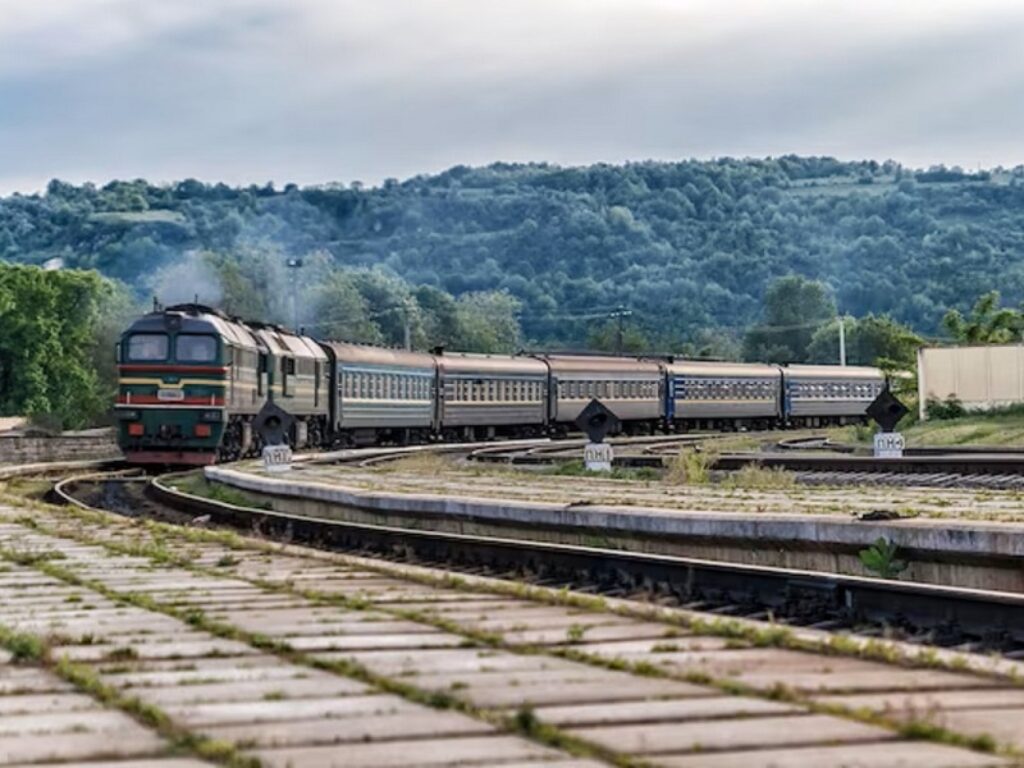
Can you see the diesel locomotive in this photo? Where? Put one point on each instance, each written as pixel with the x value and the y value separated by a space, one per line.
pixel 192 380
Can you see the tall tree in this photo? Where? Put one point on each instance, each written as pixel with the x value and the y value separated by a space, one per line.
pixel 987 323
pixel 871 340
pixel 605 338
pixel 794 309
pixel 341 312
pixel 48 344
pixel 488 322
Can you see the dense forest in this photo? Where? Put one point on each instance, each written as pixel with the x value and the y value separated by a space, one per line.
pixel 689 247
pixel 751 259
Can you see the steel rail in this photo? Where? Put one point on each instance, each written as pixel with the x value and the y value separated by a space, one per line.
pixel 996 619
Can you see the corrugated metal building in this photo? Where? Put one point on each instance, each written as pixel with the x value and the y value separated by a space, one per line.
pixel 981 377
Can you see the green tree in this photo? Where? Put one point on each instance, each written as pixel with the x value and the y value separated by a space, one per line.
pixel 49 323
pixel 342 312
pixel 871 340
pixel 440 314
pixel 391 306
pixel 605 338
pixel 794 309
pixel 488 322
pixel 987 323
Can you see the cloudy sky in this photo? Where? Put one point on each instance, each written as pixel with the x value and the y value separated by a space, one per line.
pixel 313 91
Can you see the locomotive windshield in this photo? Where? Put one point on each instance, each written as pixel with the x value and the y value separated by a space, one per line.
pixel 190 348
pixel 144 347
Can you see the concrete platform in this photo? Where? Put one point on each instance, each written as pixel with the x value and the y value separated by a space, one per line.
pixel 950 550
pixel 337 694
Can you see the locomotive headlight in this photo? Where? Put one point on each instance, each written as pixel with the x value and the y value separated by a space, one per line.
pixel 210 416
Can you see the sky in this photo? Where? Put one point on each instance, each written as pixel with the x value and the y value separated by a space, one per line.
pixel 318 91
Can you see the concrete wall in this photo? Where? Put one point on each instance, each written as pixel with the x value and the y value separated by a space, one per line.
pixel 982 377
pixel 83 446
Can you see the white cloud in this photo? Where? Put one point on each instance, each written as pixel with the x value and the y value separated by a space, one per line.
pixel 315 90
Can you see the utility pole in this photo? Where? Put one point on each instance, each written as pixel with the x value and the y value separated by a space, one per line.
pixel 620 315
pixel 294 265
pixel 842 340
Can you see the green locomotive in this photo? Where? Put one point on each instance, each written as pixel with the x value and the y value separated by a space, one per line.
pixel 191 380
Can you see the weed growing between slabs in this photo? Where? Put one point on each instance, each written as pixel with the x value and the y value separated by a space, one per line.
pixel 162 536
pixel 741 632
pixel 228 754
pixel 27 648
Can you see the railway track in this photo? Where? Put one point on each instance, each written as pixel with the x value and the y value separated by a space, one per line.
pixel 961 619
pixel 817 461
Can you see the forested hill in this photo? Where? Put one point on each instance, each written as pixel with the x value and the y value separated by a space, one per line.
pixel 686 246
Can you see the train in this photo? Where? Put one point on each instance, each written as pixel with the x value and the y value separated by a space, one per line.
pixel 192 380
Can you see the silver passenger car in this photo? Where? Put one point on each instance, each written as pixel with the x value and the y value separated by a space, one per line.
pixel 382 393
pixel 629 387
pixel 485 395
pixel 816 394
pixel 714 393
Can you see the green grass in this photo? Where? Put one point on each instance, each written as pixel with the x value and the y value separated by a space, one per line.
pixel 575 468
pixel 196 484
pixel 1004 427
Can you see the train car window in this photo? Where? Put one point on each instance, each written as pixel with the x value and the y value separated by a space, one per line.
pixel 191 348
pixel 145 347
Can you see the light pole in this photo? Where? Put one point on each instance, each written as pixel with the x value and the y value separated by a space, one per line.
pixel 294 265
pixel 842 340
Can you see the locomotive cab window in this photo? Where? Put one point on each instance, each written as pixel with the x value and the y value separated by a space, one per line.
pixel 192 348
pixel 147 347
